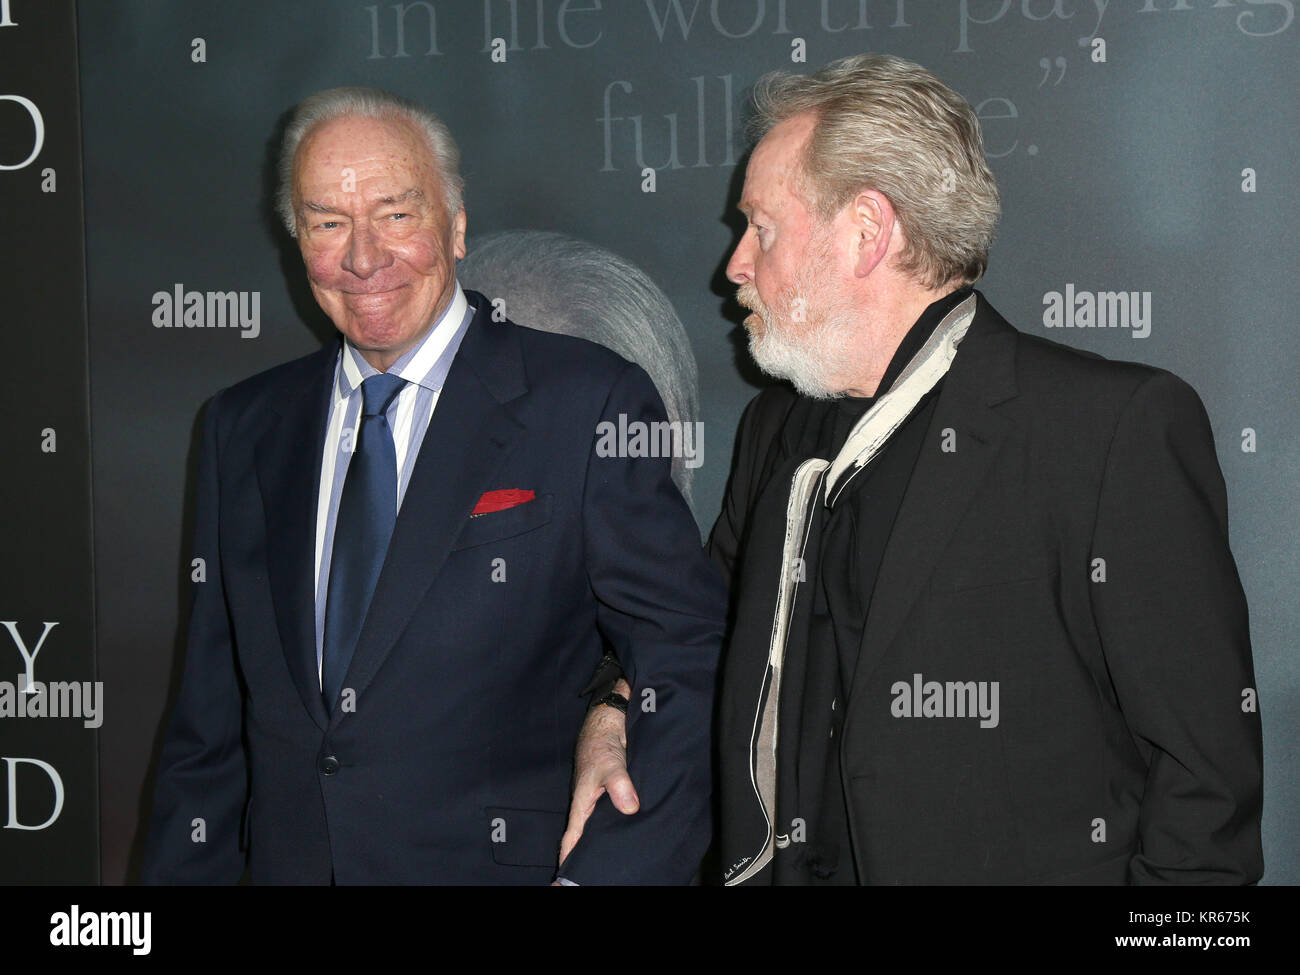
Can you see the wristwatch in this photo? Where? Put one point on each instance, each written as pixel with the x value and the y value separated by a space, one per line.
pixel 608 674
pixel 614 700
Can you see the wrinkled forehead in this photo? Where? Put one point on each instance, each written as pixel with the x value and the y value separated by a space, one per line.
pixel 357 149
pixel 774 175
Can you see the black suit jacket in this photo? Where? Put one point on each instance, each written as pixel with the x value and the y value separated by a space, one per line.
pixel 1125 750
pixel 455 765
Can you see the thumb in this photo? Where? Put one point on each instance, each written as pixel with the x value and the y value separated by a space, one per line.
pixel 622 793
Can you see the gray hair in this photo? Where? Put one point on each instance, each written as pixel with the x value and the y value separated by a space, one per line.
pixel 560 284
pixel 888 124
pixel 334 103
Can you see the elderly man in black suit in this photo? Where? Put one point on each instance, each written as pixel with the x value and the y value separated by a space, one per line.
pixel 986 624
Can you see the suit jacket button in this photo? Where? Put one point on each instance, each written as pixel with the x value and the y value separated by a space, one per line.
pixel 329 765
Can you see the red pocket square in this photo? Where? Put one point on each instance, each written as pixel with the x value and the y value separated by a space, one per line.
pixel 501 500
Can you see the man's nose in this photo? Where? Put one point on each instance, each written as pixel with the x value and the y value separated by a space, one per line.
pixel 366 253
pixel 740 269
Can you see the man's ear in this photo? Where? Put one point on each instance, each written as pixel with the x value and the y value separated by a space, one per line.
pixel 871 217
pixel 458 234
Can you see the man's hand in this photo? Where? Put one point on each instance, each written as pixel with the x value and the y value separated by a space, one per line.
pixel 600 767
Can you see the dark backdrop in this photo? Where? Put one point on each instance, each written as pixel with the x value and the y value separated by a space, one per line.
pixel 1140 145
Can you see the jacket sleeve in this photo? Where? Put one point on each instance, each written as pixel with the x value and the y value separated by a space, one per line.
pixel 1173 624
pixel 757 449
pixel 724 539
pixel 202 781
pixel 661 606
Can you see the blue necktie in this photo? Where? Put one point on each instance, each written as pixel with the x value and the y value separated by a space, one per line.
pixel 363 529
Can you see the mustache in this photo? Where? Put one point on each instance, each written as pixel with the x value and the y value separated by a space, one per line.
pixel 747 297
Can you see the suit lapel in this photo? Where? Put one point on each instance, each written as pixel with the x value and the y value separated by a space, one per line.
pixel 471 431
pixel 943 483
pixel 288 459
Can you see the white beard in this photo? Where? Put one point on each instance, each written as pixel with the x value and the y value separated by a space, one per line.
pixel 813 354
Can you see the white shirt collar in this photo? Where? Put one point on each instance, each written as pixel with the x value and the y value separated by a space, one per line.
pixel 417 362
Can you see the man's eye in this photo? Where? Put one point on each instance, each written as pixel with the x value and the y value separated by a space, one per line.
pixel 327 225
pixel 398 216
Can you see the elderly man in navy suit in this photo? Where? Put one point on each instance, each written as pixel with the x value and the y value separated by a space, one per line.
pixel 416 557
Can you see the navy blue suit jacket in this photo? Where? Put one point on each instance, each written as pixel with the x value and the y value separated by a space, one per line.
pixel 455 765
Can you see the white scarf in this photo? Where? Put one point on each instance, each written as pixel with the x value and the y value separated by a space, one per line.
pixel 868 436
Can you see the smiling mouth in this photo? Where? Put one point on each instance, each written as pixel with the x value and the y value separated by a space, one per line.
pixel 369 302
pixel 373 294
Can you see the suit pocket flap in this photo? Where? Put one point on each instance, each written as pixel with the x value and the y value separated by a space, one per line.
pixel 526 837
pixel 496 525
